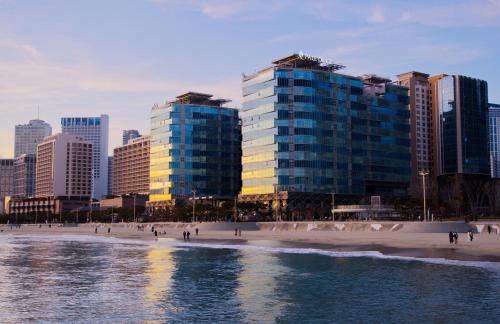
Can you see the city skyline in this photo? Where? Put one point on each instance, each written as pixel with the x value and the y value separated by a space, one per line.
pixel 125 62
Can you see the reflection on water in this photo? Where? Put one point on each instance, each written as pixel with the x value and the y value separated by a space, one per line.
pixel 82 280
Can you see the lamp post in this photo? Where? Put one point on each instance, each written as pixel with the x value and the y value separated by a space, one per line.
pixel 194 205
pixel 424 173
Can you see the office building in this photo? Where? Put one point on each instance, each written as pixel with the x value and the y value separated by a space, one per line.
pixel 420 127
pixel 195 150
pixel 96 131
pixel 129 134
pixel 309 131
pixel 64 167
pixel 28 136
pixel 460 113
pixel 110 176
pixel 494 133
pixel 24 175
pixel 131 167
pixel 6 181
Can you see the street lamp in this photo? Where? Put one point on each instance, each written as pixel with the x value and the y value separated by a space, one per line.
pixel 424 173
pixel 194 205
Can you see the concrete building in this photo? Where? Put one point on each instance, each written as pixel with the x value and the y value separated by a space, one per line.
pixel 24 176
pixel 195 150
pixel 64 167
pixel 131 167
pixel 309 131
pixel 28 136
pixel 96 131
pixel 129 134
pixel 494 134
pixel 6 181
pixel 110 176
pixel 421 128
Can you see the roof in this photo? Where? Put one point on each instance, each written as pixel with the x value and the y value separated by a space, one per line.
pixel 305 61
pixel 199 98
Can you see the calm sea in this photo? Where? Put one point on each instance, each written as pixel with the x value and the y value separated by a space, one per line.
pixel 89 279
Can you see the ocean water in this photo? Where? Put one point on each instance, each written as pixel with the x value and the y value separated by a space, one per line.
pixel 97 279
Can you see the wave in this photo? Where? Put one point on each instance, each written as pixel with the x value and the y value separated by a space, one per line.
pixel 493 266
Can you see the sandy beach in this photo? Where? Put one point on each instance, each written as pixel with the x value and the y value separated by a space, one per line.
pixel 354 237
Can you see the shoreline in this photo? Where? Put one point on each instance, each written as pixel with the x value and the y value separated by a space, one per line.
pixel 484 247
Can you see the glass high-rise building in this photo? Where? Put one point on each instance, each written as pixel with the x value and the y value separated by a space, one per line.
pixel 28 136
pixel 494 133
pixel 195 146
pixel 308 129
pixel 24 176
pixel 460 110
pixel 129 134
pixel 96 131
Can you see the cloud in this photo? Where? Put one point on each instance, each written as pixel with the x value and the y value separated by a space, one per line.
pixel 377 15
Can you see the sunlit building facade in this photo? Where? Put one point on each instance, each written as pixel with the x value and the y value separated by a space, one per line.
pixel 308 129
pixel 195 150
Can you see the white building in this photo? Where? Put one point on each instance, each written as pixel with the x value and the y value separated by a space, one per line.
pixel 64 167
pixel 28 136
pixel 96 131
pixel 6 180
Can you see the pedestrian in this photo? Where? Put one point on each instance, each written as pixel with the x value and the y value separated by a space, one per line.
pixel 471 236
pixel 95 230
pixel 152 229
pixel 235 232
pixel 184 234
pixel 452 237
pixel 109 230
pixel 239 231
pixel 489 229
pixel 196 230
pixel 156 234
pixel 455 236
pixel 187 234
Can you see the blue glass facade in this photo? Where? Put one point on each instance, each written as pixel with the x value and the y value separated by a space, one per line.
pixel 195 147
pixel 494 132
pixel 314 130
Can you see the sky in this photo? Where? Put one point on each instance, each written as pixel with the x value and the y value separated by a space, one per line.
pixel 120 57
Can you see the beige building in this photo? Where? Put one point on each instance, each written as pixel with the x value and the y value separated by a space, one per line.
pixel 420 127
pixel 131 167
pixel 64 167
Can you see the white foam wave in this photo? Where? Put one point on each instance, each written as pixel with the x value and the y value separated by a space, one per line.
pixel 493 266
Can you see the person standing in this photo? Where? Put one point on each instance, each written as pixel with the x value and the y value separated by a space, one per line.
pixel 236 232
pixel 455 236
pixel 109 230
pixel 184 234
pixel 188 235
pixel 239 231
pixel 451 237
pixel 489 229
pixel 196 230
pixel 471 236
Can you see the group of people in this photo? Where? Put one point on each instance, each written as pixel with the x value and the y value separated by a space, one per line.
pixel 453 237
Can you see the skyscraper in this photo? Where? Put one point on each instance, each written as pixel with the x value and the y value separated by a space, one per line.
pixel 421 127
pixel 309 131
pixel 28 136
pixel 6 181
pixel 195 149
pixel 131 167
pixel 494 133
pixel 96 131
pixel 64 167
pixel 24 176
pixel 129 134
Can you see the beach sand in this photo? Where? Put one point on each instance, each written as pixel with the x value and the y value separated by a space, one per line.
pixel 484 247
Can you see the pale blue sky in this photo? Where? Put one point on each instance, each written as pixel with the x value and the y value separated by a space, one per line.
pixel 120 57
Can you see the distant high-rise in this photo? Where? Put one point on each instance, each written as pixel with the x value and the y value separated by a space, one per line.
pixel 96 131
pixel 131 167
pixel 460 132
pixel 24 176
pixel 64 167
pixel 28 136
pixel 494 132
pixel 6 181
pixel 195 149
pixel 129 134
pixel 420 126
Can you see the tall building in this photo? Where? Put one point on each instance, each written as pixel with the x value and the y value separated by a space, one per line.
pixel 24 176
pixel 96 131
pixel 131 167
pixel 129 134
pixel 420 126
pixel 64 167
pixel 460 113
pixel 195 146
pixel 309 131
pixel 110 176
pixel 6 181
pixel 494 133
pixel 28 136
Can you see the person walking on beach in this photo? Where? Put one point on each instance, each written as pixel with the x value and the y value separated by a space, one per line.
pixel 471 236
pixel 455 236
pixel 187 234
pixel 196 230
pixel 452 237
pixel 95 230
pixel 156 234
pixel 239 231
pixel 489 229
pixel 184 234
pixel 235 232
